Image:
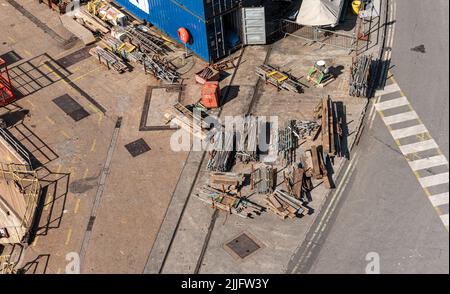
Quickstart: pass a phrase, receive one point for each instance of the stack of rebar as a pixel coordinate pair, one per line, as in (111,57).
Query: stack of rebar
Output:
(221,158)
(359,79)
(109,59)
(147,42)
(161,69)
(247,147)
(288,141)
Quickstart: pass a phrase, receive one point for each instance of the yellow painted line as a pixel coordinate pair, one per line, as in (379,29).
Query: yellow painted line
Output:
(12,39)
(93,108)
(50,120)
(77,206)
(35,241)
(59,169)
(28,53)
(85,74)
(69,236)
(65,134)
(85,173)
(100,118)
(58,271)
(31,103)
(94,143)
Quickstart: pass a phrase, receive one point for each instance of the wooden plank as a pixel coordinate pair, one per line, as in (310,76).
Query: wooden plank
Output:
(316,169)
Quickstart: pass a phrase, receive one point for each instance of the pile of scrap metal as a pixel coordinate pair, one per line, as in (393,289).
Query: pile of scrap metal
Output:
(106,12)
(162,69)
(308,129)
(226,64)
(281,80)
(247,149)
(288,141)
(207,74)
(109,59)
(90,21)
(359,80)
(227,197)
(185,119)
(221,158)
(147,42)
(284,205)
(263,179)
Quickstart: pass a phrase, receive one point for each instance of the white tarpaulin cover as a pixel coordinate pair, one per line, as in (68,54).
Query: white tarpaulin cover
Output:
(319,12)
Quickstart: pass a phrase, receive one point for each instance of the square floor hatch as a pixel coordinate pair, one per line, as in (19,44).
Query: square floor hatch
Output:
(242,246)
(137,147)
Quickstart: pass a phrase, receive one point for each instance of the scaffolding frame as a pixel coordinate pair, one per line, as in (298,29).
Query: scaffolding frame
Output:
(28,184)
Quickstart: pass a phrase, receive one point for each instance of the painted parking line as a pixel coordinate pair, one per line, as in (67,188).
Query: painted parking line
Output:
(401,117)
(394,103)
(439,199)
(428,162)
(409,131)
(423,142)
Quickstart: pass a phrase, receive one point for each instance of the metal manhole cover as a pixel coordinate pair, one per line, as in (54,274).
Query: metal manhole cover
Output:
(137,147)
(242,245)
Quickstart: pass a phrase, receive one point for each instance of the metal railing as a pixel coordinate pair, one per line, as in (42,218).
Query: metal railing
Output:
(17,147)
(319,35)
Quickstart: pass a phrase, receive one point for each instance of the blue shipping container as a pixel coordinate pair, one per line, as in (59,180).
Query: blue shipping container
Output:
(210,23)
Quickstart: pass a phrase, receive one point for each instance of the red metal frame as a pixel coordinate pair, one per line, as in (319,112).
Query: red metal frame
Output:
(6,92)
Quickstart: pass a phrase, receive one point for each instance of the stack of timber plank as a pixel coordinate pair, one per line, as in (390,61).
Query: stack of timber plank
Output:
(283,205)
(328,127)
(226,180)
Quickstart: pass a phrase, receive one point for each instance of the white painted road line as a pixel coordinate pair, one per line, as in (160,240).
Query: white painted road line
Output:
(428,162)
(444,219)
(409,131)
(439,199)
(388,89)
(434,180)
(398,118)
(397,102)
(418,147)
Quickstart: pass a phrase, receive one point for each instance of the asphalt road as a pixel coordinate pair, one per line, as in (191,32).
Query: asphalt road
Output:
(382,208)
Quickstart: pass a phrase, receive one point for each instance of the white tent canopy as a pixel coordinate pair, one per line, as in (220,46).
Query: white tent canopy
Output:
(319,12)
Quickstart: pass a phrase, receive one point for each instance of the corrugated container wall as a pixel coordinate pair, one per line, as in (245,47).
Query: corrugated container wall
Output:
(204,19)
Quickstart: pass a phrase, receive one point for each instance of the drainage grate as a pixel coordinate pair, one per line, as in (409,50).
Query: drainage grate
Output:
(137,147)
(71,107)
(242,246)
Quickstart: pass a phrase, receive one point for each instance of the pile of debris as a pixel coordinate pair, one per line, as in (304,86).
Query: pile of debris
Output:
(247,141)
(359,80)
(227,197)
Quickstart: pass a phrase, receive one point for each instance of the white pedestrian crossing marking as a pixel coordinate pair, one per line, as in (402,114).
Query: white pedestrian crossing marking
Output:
(418,162)
(428,162)
(397,102)
(409,131)
(398,118)
(418,147)
(444,219)
(388,89)
(439,199)
(434,180)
